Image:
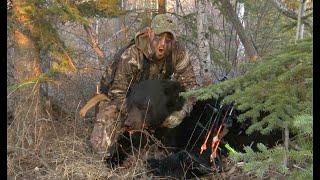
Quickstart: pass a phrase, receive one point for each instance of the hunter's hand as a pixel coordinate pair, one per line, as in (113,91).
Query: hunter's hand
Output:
(177,116)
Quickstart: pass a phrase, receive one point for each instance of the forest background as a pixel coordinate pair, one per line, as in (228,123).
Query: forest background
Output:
(57,51)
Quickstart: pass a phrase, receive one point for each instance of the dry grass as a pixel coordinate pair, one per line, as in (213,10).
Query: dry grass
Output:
(55,146)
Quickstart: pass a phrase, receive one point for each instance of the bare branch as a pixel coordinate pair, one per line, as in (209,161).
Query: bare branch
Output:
(227,9)
(69,59)
(94,44)
(290,13)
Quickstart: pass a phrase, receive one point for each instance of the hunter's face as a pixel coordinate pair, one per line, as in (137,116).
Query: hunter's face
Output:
(162,44)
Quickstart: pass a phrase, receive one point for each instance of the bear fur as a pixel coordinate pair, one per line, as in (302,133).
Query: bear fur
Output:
(150,102)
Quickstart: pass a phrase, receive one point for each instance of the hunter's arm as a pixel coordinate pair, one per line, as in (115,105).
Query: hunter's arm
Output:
(125,74)
(185,75)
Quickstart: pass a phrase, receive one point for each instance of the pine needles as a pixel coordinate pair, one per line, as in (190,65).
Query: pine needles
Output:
(274,93)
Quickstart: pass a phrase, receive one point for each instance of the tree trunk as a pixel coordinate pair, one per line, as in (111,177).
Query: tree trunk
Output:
(227,9)
(177,6)
(300,25)
(162,6)
(27,130)
(93,41)
(240,13)
(286,146)
(203,45)
(27,54)
(287,12)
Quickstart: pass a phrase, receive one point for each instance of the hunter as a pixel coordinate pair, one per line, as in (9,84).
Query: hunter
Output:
(154,53)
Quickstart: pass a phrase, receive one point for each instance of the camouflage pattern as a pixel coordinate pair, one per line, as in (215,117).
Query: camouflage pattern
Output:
(129,70)
(164,23)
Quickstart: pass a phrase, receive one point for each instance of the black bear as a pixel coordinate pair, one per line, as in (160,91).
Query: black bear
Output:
(147,104)
(150,102)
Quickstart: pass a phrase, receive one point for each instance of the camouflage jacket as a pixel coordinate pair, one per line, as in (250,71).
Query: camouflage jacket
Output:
(131,66)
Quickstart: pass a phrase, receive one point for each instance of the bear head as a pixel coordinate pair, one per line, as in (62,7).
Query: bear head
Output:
(150,102)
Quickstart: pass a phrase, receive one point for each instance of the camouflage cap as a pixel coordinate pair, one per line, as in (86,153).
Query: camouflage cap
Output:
(164,23)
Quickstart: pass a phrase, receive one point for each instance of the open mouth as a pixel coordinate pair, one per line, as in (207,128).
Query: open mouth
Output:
(161,52)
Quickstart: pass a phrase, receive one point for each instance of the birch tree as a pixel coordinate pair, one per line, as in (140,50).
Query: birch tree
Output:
(240,13)
(203,44)
(290,13)
(300,24)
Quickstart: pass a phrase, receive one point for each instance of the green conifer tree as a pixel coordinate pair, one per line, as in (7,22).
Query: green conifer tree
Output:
(274,93)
